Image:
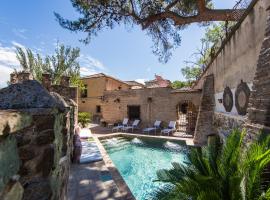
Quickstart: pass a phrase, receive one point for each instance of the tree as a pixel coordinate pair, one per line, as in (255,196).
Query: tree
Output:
(63,62)
(191,73)
(228,172)
(211,41)
(179,84)
(31,62)
(84,118)
(161,19)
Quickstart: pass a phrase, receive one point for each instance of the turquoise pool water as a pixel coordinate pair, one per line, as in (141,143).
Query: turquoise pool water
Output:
(138,160)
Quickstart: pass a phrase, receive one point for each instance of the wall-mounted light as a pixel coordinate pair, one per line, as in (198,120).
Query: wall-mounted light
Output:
(149,99)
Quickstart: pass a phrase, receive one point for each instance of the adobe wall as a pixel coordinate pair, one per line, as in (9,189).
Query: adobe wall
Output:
(36,133)
(162,106)
(236,61)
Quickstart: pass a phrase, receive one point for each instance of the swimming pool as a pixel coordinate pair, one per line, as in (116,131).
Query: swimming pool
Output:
(137,160)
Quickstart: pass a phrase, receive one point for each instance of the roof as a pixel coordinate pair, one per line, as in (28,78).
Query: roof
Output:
(158,82)
(134,83)
(103,75)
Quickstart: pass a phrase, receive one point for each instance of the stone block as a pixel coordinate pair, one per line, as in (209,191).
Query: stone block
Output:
(45,137)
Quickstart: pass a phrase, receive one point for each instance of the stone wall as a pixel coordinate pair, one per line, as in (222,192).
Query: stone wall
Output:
(36,132)
(259,103)
(224,124)
(155,104)
(240,80)
(237,58)
(204,126)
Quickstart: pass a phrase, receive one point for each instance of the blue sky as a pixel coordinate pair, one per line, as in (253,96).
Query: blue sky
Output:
(125,54)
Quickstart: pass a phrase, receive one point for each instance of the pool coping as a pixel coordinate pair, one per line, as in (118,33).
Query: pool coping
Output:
(118,179)
(188,141)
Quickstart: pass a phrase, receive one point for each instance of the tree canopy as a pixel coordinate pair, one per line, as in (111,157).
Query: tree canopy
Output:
(63,62)
(161,19)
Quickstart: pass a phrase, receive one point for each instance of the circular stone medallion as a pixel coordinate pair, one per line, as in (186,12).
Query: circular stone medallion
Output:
(242,94)
(228,99)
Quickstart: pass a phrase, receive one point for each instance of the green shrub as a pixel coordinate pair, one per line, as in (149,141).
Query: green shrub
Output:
(84,118)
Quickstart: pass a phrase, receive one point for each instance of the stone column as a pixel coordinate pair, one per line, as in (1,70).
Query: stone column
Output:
(65,80)
(24,76)
(46,81)
(259,102)
(13,78)
(204,125)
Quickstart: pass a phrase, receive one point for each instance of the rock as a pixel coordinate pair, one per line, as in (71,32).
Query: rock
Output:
(28,94)
(13,121)
(37,189)
(15,192)
(27,152)
(45,137)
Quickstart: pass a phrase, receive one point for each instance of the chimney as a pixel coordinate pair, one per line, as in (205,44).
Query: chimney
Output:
(65,81)
(13,78)
(46,81)
(24,76)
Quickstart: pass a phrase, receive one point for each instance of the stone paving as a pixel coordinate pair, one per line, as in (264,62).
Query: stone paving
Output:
(92,182)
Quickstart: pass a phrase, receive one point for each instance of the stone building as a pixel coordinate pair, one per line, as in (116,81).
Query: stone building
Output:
(158,82)
(150,104)
(90,98)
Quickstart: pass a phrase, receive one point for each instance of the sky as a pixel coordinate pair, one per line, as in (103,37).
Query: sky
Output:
(123,53)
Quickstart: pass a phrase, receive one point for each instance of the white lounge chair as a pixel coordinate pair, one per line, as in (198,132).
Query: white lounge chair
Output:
(134,125)
(120,126)
(154,128)
(170,129)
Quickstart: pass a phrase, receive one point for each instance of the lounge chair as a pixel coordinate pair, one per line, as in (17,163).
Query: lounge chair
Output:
(120,126)
(170,129)
(154,128)
(134,125)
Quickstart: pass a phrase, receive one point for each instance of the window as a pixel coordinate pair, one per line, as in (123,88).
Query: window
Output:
(84,92)
(134,112)
(98,109)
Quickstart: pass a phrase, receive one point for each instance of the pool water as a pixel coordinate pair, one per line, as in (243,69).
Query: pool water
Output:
(138,160)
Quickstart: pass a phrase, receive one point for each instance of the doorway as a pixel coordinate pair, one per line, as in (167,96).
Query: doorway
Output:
(134,112)
(186,117)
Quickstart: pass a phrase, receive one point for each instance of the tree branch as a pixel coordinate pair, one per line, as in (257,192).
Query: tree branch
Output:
(206,16)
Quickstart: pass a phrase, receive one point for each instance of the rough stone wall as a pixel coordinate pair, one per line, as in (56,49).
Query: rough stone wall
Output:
(204,126)
(35,142)
(66,91)
(259,103)
(224,124)
(155,104)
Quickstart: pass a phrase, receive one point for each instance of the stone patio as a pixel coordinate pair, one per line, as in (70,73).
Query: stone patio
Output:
(92,182)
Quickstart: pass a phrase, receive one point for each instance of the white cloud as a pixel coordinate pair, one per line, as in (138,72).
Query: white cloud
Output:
(8,56)
(141,80)
(4,75)
(90,65)
(14,43)
(8,62)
